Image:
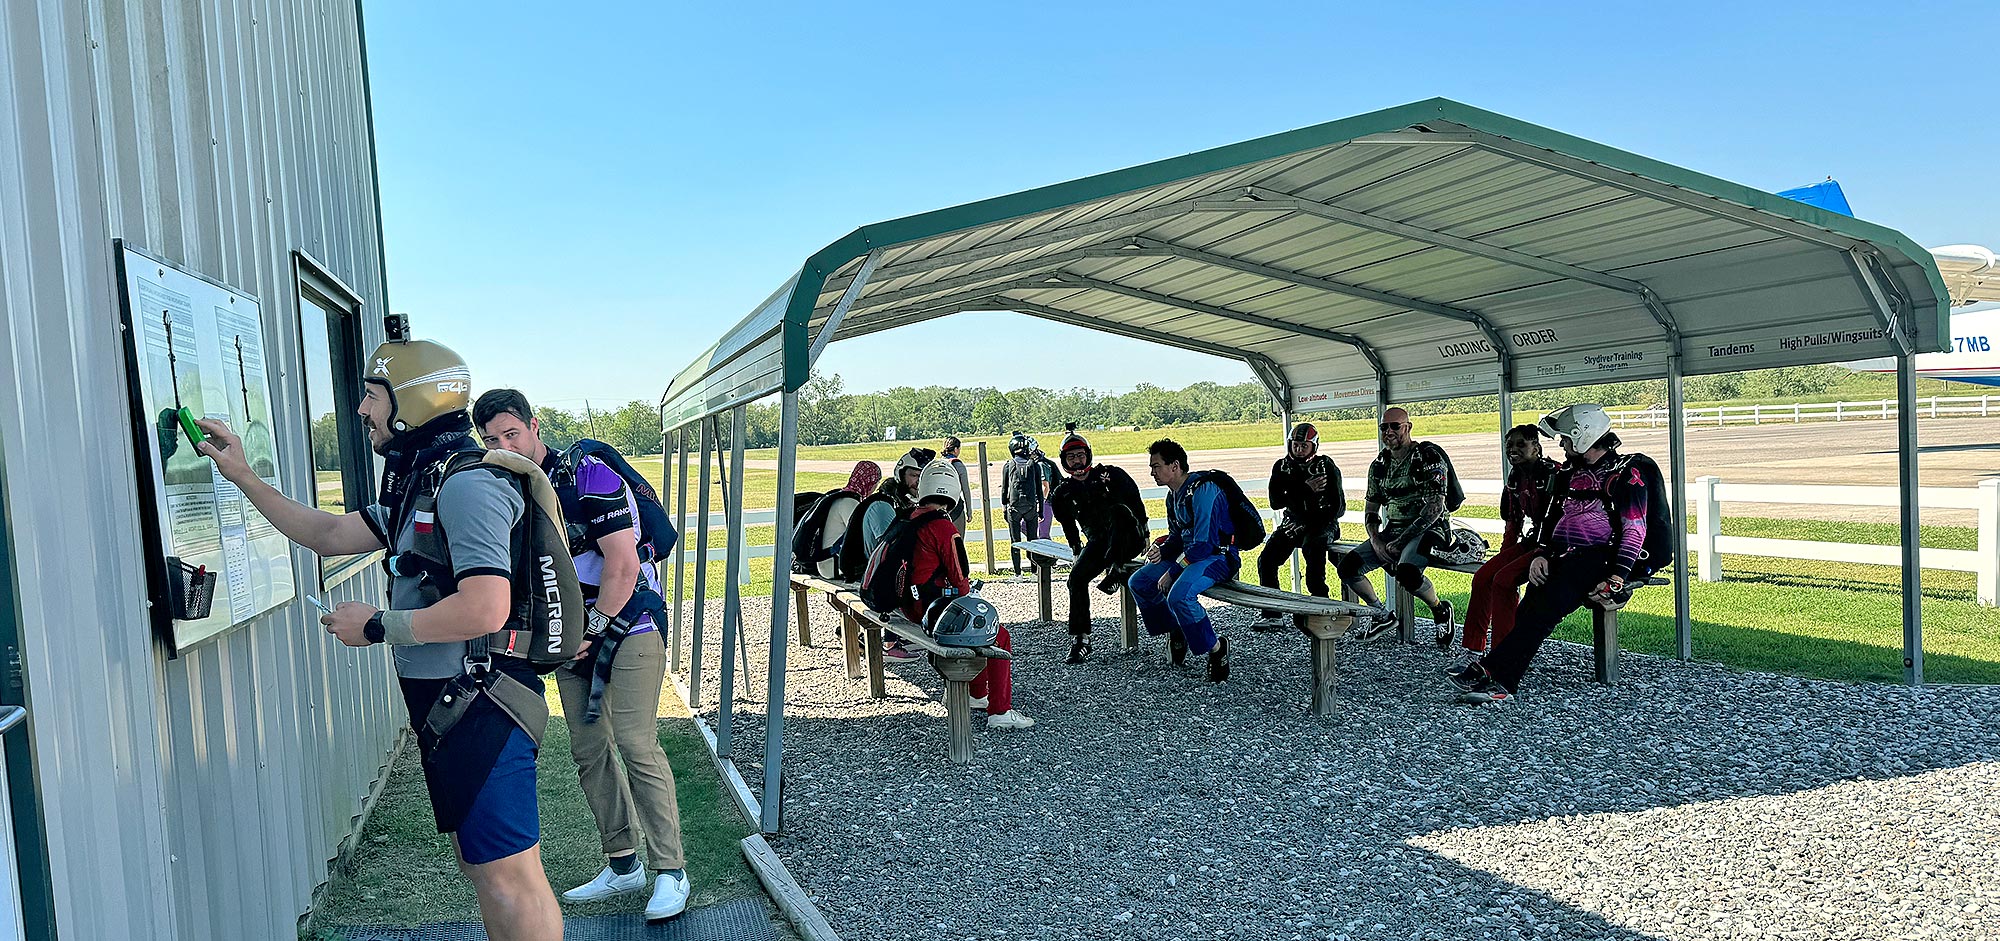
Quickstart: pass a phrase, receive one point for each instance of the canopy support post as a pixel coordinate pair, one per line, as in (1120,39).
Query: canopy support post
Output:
(680,468)
(1906,480)
(700,566)
(1889,308)
(1285,416)
(772,812)
(732,591)
(1677,495)
(1506,423)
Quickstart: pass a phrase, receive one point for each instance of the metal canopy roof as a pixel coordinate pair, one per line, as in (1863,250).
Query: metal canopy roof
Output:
(1428,251)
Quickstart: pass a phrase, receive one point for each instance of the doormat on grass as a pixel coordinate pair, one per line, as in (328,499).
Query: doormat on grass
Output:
(740,920)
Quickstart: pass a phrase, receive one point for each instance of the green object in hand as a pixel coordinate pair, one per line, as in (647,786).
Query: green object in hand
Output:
(187,425)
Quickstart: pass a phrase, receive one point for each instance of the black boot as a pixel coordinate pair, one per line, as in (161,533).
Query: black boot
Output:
(1079,648)
(1177,648)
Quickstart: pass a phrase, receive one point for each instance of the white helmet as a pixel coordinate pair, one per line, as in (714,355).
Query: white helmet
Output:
(938,480)
(1579,426)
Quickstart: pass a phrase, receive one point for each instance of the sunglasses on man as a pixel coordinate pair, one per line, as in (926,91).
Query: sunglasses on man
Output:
(1393,425)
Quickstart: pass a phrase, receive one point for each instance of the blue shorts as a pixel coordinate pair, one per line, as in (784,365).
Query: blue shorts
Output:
(481,776)
(505,818)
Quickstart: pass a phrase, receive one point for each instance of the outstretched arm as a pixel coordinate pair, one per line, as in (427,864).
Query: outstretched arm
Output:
(328,534)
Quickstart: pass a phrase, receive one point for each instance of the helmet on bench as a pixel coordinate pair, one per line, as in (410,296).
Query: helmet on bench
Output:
(964,621)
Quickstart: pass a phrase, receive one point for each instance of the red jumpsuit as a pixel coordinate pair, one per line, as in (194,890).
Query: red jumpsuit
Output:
(939,562)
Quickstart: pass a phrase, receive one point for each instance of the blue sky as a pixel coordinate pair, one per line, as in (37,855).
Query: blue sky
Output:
(581,202)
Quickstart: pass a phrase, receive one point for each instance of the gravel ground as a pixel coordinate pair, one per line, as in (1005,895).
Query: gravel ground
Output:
(1690,802)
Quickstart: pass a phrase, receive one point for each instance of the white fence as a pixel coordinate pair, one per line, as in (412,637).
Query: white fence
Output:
(1936,406)
(1707,545)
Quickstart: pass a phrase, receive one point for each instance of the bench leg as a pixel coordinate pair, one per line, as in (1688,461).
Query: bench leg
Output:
(1128,619)
(1406,612)
(878,688)
(850,631)
(1604,630)
(1322,631)
(799,598)
(1044,579)
(1323,676)
(958,674)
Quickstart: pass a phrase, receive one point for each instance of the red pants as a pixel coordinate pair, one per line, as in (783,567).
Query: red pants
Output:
(996,682)
(1496,594)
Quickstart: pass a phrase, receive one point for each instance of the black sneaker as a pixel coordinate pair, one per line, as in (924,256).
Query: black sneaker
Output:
(1079,648)
(1373,626)
(1471,675)
(1111,583)
(1484,690)
(1268,621)
(1446,630)
(1218,661)
(1177,648)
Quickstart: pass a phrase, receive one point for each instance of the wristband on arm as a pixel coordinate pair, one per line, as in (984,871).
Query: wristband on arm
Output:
(397,627)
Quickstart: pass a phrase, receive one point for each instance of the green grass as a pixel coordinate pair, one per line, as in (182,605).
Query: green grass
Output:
(404,872)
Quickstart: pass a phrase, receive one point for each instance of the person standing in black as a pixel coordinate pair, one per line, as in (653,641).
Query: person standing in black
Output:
(1305,484)
(1105,502)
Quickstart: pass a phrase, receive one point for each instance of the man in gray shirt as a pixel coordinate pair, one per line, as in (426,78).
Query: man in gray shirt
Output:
(481,771)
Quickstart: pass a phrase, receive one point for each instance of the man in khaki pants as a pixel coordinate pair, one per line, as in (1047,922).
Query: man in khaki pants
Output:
(602,516)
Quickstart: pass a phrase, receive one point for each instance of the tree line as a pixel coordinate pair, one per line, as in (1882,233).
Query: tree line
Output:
(830,415)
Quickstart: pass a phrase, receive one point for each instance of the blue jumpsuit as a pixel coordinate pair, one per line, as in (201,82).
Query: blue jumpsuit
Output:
(1199,552)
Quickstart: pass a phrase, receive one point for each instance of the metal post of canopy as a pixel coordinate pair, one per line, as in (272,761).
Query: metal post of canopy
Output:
(1906,479)
(732,593)
(772,816)
(700,543)
(1285,416)
(730,467)
(680,526)
(1677,494)
(1506,423)
(986,506)
(1389,588)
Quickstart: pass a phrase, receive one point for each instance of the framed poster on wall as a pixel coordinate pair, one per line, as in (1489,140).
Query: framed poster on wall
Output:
(213,561)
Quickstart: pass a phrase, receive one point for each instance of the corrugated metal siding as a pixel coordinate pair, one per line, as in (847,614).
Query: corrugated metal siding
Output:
(201,797)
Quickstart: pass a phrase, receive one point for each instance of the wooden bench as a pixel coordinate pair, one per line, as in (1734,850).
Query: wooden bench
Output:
(802,585)
(957,665)
(1603,617)
(1322,620)
(1044,554)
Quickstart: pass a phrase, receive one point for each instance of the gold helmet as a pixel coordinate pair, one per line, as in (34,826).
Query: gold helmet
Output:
(425,379)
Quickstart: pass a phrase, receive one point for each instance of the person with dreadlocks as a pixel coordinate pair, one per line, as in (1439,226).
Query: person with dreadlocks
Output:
(1104,501)
(480,769)
(1496,587)
(1305,484)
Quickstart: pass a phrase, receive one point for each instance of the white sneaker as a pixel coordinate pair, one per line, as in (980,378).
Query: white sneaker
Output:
(1011,719)
(979,702)
(670,896)
(608,884)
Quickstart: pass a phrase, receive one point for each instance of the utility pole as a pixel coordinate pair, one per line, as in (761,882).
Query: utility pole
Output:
(592,417)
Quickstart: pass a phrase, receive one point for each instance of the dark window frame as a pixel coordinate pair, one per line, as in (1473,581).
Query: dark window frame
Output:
(319,290)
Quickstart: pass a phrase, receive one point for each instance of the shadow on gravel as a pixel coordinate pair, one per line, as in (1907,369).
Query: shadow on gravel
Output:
(1150,804)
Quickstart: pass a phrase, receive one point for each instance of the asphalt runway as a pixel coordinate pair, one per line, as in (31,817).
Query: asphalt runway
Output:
(1954,452)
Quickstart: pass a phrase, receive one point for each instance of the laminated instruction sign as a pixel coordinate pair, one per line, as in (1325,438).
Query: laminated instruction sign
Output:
(214,561)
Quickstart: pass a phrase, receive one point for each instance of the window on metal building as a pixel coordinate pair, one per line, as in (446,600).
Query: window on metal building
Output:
(331,353)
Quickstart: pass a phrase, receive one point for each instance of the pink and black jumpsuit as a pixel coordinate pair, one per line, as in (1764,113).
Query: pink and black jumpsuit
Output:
(1587,539)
